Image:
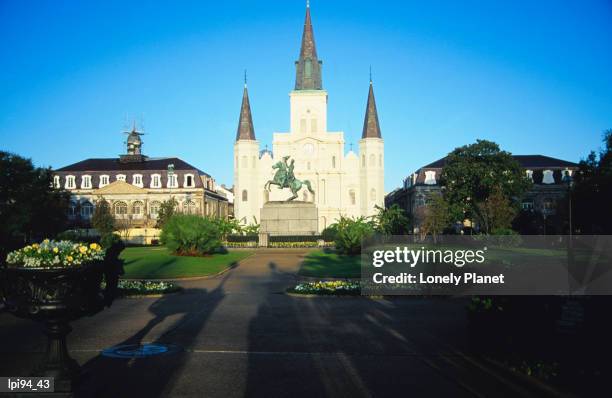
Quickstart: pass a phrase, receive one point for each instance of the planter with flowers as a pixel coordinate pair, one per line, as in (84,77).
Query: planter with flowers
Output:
(54,283)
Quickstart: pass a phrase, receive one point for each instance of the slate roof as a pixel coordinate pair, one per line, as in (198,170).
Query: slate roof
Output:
(526,162)
(308,78)
(113,164)
(245,131)
(371,127)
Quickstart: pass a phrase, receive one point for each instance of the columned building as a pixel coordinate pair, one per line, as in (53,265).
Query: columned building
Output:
(350,184)
(135,185)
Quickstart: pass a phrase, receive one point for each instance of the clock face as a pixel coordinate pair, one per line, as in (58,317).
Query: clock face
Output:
(308,149)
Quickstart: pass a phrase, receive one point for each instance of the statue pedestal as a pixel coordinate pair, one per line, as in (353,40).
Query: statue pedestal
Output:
(289,218)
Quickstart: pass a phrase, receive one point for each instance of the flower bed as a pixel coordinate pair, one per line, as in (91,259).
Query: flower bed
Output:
(55,254)
(292,244)
(146,287)
(337,288)
(240,244)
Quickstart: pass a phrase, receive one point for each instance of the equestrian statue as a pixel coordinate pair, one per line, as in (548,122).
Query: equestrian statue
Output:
(284,178)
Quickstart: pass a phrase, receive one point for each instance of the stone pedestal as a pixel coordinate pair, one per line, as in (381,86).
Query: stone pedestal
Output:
(289,218)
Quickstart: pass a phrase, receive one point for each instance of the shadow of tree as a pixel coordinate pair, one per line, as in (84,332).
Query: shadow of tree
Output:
(153,376)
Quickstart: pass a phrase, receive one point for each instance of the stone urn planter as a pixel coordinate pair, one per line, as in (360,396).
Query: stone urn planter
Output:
(54,297)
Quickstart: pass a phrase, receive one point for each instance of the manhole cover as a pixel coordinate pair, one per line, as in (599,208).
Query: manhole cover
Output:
(139,350)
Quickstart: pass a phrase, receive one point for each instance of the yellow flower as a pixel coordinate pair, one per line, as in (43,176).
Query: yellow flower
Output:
(94,246)
(55,250)
(46,241)
(82,249)
(69,258)
(35,245)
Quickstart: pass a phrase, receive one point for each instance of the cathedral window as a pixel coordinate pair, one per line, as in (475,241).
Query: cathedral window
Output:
(373,195)
(245,195)
(155,181)
(303,126)
(244,162)
(548,177)
(352,197)
(86,210)
(104,180)
(333,162)
(253,162)
(308,68)
(380,160)
(362,160)
(430,177)
(308,165)
(372,160)
(313,125)
(70,182)
(137,180)
(86,182)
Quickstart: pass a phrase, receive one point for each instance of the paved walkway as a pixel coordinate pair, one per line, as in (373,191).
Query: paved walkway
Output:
(243,337)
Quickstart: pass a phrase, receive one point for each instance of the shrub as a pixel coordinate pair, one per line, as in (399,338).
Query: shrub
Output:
(505,237)
(329,234)
(102,219)
(351,232)
(166,210)
(191,235)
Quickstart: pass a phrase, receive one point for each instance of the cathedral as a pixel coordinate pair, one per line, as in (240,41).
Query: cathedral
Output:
(349,184)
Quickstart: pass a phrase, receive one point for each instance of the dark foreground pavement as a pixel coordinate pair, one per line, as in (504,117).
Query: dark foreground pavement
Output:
(241,336)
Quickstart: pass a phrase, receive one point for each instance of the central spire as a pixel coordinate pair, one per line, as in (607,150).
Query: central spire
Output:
(308,67)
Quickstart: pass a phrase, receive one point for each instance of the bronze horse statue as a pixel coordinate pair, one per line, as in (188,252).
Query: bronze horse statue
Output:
(284,178)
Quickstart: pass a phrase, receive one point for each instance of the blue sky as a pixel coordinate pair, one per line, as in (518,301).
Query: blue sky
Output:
(536,77)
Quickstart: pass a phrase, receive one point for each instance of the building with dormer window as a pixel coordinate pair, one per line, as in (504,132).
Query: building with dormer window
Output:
(135,185)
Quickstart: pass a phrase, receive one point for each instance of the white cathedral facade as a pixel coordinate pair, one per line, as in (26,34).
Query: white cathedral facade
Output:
(349,184)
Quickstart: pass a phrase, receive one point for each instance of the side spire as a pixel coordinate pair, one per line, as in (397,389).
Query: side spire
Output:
(245,131)
(308,66)
(371,127)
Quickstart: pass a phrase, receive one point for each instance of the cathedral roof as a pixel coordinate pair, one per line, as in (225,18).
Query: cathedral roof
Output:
(245,131)
(308,67)
(371,127)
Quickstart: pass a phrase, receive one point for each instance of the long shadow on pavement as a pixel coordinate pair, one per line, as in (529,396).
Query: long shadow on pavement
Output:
(153,376)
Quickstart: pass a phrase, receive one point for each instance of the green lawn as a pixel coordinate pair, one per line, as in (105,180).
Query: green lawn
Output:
(157,262)
(327,264)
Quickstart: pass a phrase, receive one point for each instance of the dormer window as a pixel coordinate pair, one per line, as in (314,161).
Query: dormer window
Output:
(430,177)
(56,181)
(548,177)
(104,180)
(70,182)
(172,181)
(137,180)
(155,181)
(529,174)
(189,181)
(121,177)
(86,182)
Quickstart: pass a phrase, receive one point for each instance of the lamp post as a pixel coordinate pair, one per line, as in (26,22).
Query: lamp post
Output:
(567,179)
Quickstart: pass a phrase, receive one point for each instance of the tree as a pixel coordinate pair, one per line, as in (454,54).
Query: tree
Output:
(472,173)
(495,212)
(437,216)
(30,207)
(592,193)
(102,219)
(391,221)
(350,234)
(167,208)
